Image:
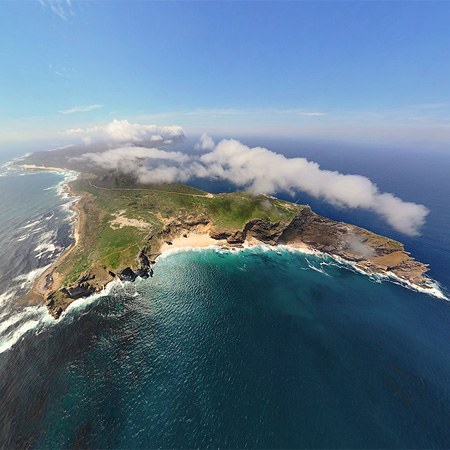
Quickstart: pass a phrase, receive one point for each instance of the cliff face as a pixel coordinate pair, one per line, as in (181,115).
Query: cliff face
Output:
(370,252)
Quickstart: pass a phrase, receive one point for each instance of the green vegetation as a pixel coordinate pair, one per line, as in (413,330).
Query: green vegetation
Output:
(105,243)
(236,209)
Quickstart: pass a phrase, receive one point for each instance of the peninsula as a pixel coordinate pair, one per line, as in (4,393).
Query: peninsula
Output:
(122,227)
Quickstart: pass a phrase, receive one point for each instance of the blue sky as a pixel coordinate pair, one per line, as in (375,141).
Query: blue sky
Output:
(339,70)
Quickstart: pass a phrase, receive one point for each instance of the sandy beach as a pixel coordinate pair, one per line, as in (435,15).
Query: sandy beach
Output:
(44,168)
(204,240)
(194,238)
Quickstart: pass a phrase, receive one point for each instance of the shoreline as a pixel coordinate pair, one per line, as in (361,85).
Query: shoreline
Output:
(33,167)
(37,292)
(195,240)
(302,249)
(434,289)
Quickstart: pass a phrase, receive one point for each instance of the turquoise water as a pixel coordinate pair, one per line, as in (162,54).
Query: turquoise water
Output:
(237,350)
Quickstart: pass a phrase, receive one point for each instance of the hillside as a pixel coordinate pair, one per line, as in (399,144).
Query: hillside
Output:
(122,227)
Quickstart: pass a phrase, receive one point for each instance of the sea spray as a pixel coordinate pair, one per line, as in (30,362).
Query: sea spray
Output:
(14,328)
(248,350)
(434,288)
(30,246)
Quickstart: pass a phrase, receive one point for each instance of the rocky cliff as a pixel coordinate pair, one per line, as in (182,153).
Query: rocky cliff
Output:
(370,252)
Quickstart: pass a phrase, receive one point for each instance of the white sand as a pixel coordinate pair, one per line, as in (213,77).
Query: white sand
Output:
(193,240)
(203,240)
(44,168)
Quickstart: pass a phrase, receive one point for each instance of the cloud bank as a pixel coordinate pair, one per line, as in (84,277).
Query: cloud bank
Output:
(135,160)
(261,170)
(205,143)
(258,170)
(123,131)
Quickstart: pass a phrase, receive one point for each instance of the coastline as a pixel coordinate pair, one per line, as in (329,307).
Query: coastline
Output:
(39,285)
(205,242)
(36,168)
(197,238)
(37,292)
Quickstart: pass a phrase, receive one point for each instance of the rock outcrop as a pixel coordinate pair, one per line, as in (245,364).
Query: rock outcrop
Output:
(264,231)
(89,284)
(238,237)
(220,233)
(370,252)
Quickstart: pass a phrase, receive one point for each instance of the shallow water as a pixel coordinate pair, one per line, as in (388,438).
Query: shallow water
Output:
(236,349)
(218,349)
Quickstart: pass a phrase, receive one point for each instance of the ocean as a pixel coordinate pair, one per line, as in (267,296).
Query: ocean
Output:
(231,349)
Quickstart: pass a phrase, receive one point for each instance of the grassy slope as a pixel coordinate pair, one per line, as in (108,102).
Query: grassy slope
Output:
(100,245)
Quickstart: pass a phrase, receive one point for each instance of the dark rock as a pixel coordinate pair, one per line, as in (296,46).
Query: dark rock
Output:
(169,242)
(144,270)
(142,273)
(143,260)
(323,234)
(263,230)
(80,290)
(48,281)
(238,237)
(50,303)
(111,273)
(86,277)
(220,233)
(298,225)
(192,222)
(127,274)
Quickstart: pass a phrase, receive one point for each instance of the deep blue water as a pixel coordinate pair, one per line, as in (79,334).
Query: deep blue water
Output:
(248,349)
(413,175)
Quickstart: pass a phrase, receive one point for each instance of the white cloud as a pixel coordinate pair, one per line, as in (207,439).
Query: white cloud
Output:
(74,131)
(311,114)
(61,70)
(132,133)
(78,109)
(205,143)
(203,114)
(131,159)
(61,8)
(359,247)
(263,171)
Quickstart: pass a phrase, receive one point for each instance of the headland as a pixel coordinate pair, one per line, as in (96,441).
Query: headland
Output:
(122,227)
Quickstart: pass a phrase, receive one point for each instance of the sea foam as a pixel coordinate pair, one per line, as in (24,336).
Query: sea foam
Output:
(434,289)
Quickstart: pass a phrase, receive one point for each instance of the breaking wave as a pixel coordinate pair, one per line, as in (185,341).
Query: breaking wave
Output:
(319,265)
(31,246)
